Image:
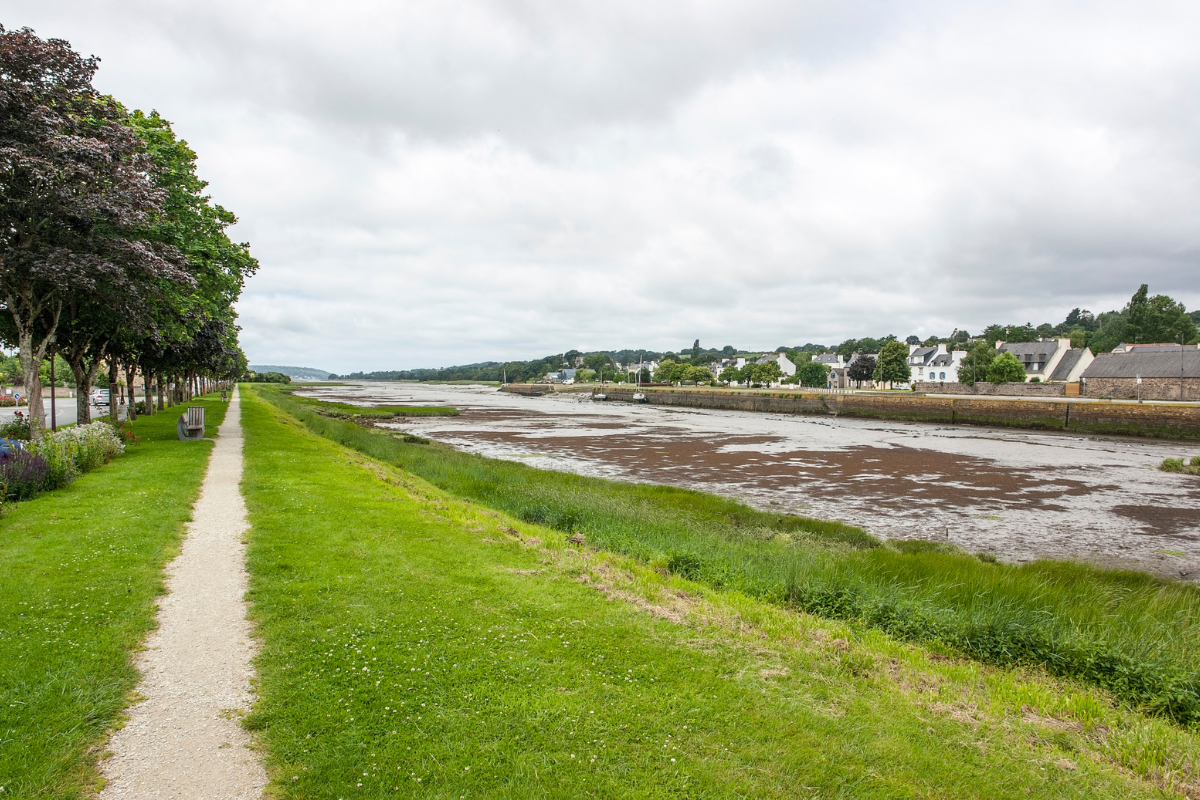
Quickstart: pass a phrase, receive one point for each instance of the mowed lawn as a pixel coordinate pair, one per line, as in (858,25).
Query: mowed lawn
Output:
(80,569)
(415,644)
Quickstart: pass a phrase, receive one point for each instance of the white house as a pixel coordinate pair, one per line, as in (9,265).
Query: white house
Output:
(786,367)
(1050,359)
(934,364)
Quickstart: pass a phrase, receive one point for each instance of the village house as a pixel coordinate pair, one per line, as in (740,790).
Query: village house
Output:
(786,367)
(934,364)
(1146,372)
(1049,359)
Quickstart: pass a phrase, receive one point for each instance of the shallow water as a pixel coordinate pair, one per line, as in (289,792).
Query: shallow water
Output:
(1019,495)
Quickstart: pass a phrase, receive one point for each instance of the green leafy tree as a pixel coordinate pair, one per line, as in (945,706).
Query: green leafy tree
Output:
(730,374)
(1005,368)
(770,372)
(667,371)
(976,363)
(585,375)
(1157,319)
(812,373)
(892,366)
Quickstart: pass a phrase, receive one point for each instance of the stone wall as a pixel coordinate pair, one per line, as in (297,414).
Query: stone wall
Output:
(984,389)
(1129,419)
(1152,388)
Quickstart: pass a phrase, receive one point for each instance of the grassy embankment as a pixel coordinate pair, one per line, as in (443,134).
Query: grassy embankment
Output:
(349,411)
(80,569)
(419,643)
(1132,634)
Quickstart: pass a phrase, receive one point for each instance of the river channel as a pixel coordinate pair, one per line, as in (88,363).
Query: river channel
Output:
(1019,495)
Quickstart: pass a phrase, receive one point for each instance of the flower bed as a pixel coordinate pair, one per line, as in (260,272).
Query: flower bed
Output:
(56,459)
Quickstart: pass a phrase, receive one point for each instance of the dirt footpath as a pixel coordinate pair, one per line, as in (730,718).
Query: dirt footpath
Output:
(184,739)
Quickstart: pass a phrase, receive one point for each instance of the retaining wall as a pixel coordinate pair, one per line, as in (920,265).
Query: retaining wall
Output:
(1152,388)
(1126,419)
(981,388)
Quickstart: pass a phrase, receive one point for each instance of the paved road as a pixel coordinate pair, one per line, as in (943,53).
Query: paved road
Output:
(65,411)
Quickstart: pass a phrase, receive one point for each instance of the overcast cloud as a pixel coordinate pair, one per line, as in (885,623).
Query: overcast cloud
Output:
(442,182)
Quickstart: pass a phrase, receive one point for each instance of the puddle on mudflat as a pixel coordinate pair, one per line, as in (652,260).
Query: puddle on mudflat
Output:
(1020,495)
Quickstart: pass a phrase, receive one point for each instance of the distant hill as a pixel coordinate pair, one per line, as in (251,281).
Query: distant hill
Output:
(295,373)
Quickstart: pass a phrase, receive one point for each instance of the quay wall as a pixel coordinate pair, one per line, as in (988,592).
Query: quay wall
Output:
(1087,417)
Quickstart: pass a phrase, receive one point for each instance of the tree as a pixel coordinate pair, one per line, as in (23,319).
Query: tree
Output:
(913,340)
(585,375)
(975,364)
(892,366)
(730,374)
(813,373)
(695,351)
(769,372)
(1005,368)
(667,371)
(862,368)
(74,193)
(1157,319)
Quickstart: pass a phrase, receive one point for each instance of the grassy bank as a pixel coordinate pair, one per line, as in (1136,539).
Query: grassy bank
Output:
(80,569)
(334,409)
(417,644)
(1132,634)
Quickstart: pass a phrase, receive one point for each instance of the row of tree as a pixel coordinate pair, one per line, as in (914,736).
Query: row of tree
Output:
(111,254)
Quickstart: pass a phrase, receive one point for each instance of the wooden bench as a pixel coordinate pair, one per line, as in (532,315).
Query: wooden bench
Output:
(191,424)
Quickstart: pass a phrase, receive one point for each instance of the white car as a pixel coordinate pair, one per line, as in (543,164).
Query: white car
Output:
(100,398)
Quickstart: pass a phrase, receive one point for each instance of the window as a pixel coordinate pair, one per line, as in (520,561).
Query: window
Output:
(942,376)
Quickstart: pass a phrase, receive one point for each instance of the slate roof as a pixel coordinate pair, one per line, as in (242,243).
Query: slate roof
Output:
(1148,365)
(1032,353)
(944,360)
(1157,347)
(1069,360)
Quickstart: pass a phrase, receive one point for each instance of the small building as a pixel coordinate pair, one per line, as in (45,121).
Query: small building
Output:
(934,364)
(1042,358)
(786,367)
(1161,374)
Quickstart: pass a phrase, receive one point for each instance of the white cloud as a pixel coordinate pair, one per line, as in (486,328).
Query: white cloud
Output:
(445,182)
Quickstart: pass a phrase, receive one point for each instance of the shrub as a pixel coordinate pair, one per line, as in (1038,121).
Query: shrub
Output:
(22,474)
(85,447)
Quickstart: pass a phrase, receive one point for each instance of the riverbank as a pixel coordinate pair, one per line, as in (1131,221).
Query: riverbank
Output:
(80,572)
(416,639)
(1180,421)
(1056,614)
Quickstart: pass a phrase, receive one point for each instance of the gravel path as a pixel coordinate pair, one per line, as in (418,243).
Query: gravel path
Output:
(184,739)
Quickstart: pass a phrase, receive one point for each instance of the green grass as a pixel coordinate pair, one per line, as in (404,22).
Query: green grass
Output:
(80,569)
(347,410)
(416,644)
(1130,633)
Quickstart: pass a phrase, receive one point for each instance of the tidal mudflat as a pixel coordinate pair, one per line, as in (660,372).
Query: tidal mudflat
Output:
(1020,495)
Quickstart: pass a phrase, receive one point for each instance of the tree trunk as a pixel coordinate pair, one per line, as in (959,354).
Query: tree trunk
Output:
(130,375)
(31,364)
(113,376)
(146,388)
(162,392)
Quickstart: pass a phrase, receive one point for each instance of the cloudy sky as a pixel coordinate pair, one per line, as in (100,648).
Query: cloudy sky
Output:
(446,181)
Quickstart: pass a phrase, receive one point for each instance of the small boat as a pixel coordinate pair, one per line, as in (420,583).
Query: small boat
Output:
(639,397)
(600,396)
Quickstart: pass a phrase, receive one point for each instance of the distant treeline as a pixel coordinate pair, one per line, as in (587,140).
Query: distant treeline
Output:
(1144,318)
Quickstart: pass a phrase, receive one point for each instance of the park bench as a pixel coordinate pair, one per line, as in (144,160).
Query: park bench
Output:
(191,424)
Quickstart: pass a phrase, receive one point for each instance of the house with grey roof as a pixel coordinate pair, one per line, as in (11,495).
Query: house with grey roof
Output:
(1042,359)
(934,364)
(786,367)
(1144,374)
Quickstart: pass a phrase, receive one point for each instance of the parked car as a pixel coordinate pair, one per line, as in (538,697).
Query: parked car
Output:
(100,398)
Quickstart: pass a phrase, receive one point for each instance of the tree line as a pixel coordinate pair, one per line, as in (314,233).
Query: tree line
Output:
(112,256)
